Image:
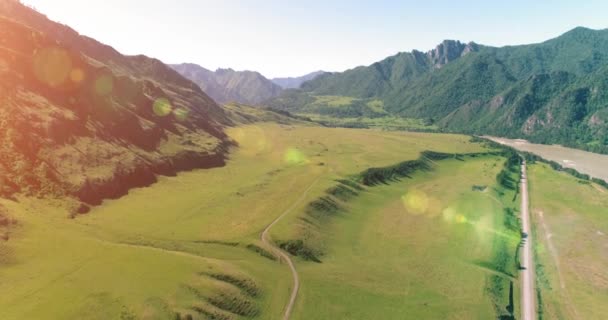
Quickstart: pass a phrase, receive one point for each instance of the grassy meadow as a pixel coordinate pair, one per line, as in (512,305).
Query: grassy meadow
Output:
(382,123)
(189,244)
(571,231)
(421,248)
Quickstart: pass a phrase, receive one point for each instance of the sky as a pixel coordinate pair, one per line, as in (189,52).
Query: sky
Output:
(291,38)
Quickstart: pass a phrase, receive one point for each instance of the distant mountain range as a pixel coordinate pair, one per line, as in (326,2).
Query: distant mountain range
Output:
(247,87)
(227,85)
(296,82)
(79,118)
(550,92)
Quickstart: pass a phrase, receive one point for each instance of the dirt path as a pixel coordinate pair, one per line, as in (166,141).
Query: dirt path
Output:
(285,256)
(598,188)
(551,247)
(528,303)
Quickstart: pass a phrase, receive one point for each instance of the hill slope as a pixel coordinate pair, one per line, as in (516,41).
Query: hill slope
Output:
(551,92)
(79,118)
(227,85)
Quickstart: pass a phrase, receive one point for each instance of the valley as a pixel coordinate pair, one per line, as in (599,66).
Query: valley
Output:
(436,242)
(186,232)
(134,189)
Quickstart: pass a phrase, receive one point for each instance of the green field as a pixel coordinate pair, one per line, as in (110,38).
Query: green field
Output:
(183,245)
(386,123)
(131,189)
(569,218)
(420,248)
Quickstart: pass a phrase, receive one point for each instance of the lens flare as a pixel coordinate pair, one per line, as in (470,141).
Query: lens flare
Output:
(104,85)
(452,215)
(238,134)
(181,114)
(162,107)
(77,75)
(449,214)
(483,226)
(416,202)
(460,218)
(52,66)
(253,141)
(294,156)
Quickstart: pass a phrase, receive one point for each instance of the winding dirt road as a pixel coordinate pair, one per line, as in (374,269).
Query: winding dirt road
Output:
(528,303)
(285,256)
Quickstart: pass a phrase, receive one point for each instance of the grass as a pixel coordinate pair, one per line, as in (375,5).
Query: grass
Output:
(571,234)
(420,248)
(387,123)
(334,101)
(376,105)
(183,243)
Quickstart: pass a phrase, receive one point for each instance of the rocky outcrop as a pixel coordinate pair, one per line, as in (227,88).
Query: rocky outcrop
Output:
(448,51)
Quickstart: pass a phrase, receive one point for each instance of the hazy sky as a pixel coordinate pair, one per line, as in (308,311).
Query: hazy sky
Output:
(291,38)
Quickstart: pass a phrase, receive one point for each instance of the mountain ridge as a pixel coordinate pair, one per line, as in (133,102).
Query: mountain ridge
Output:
(227,85)
(296,82)
(457,79)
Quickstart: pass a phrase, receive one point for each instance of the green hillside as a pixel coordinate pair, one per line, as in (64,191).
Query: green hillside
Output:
(550,92)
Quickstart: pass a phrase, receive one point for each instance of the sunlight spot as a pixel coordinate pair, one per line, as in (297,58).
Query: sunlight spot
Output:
(416,202)
(238,134)
(460,218)
(262,144)
(52,66)
(104,85)
(253,141)
(77,75)
(449,214)
(162,107)
(484,227)
(181,114)
(294,156)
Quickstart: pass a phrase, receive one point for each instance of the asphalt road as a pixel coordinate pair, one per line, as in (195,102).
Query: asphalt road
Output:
(528,303)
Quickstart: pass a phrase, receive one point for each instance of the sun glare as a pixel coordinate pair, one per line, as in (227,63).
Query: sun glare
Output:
(52,66)
(162,107)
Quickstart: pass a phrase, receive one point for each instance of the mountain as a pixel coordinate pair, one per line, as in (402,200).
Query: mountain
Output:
(390,74)
(78,118)
(227,85)
(550,92)
(296,82)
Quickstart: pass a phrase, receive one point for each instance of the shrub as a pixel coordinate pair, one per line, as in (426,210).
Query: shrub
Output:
(298,248)
(261,251)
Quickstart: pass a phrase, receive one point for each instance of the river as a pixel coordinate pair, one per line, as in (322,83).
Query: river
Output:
(593,164)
